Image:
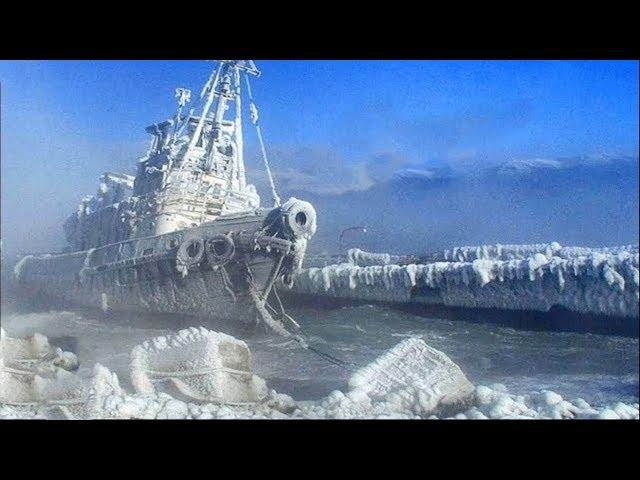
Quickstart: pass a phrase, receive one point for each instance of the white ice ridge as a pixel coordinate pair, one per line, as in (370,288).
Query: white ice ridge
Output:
(412,380)
(358,257)
(199,364)
(599,281)
(520,252)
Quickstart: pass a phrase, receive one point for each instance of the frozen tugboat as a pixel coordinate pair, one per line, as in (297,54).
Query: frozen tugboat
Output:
(187,234)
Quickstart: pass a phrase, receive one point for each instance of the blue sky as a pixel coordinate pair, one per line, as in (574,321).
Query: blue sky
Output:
(65,122)
(530,107)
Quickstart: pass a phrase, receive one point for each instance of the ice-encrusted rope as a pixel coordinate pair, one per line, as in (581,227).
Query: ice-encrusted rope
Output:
(254,120)
(203,371)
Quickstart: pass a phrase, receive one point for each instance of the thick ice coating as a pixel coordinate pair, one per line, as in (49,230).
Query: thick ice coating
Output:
(199,364)
(358,257)
(525,277)
(520,252)
(33,371)
(34,352)
(422,379)
(496,402)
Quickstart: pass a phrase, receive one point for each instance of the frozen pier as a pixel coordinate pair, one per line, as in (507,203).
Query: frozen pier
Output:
(600,281)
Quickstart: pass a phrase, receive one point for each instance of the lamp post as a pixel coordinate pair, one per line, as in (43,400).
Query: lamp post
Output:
(363,229)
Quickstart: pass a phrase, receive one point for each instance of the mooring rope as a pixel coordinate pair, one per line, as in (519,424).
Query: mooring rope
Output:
(254,119)
(281,330)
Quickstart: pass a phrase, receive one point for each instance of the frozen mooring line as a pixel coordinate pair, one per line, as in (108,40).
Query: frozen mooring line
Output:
(601,281)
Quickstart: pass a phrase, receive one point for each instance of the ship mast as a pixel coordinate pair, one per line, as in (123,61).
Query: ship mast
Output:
(222,87)
(195,171)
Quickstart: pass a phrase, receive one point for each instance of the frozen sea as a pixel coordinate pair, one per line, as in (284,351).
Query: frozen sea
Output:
(602,369)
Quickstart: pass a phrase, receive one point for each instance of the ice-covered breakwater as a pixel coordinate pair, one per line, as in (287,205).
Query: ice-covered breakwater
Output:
(361,258)
(601,281)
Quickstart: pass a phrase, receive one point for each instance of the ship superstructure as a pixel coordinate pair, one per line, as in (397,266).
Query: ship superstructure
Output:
(194,169)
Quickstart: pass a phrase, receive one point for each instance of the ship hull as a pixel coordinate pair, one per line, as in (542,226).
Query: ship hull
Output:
(201,293)
(143,275)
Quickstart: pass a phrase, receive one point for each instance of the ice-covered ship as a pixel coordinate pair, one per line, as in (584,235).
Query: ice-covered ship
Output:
(186,234)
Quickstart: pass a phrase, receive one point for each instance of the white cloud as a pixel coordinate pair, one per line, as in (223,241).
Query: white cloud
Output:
(323,171)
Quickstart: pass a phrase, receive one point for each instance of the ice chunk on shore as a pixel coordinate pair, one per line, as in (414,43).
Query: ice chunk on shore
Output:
(32,371)
(34,353)
(199,364)
(411,380)
(35,381)
(496,402)
(416,377)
